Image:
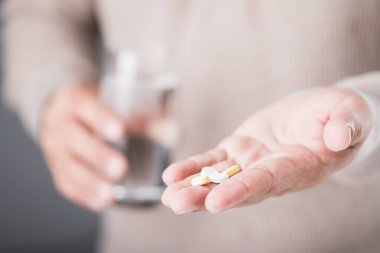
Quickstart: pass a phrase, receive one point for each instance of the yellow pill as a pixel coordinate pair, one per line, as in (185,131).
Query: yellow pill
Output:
(200,180)
(233,170)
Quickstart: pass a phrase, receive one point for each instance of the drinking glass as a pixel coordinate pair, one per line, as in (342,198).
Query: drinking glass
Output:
(140,88)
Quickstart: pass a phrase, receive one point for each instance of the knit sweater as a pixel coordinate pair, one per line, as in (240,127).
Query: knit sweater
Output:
(233,57)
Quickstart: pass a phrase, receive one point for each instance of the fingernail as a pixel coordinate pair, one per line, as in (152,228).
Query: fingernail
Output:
(351,128)
(96,204)
(182,212)
(104,192)
(114,167)
(214,208)
(113,130)
(119,192)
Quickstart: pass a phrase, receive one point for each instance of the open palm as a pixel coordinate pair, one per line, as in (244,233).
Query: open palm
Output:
(288,146)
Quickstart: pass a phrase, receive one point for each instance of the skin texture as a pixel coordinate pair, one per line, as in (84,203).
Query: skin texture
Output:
(288,146)
(74,125)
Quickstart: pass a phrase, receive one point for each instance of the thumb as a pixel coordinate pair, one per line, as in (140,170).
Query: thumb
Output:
(349,124)
(340,133)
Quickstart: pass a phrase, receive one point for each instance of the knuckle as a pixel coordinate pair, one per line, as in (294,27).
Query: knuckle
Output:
(74,96)
(274,187)
(90,149)
(236,145)
(65,97)
(97,159)
(54,112)
(76,141)
(225,142)
(217,154)
(60,184)
(54,160)
(49,143)
(236,140)
(71,191)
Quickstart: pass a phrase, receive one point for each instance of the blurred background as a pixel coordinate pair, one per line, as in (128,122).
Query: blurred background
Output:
(33,217)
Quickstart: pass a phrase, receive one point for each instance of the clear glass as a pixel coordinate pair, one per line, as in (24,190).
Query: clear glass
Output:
(141,90)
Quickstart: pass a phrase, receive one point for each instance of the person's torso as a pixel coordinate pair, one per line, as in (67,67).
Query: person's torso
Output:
(234,57)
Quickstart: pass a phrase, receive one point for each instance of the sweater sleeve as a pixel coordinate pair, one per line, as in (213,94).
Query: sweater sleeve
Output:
(47,44)
(366,165)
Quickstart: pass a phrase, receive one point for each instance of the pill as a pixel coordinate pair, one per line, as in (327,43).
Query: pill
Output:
(211,175)
(200,180)
(233,170)
(214,175)
(206,171)
(218,178)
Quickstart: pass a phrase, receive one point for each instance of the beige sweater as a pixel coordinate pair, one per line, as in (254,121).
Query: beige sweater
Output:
(233,56)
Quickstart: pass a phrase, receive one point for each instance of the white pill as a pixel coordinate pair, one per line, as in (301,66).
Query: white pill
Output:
(211,175)
(218,178)
(214,175)
(206,171)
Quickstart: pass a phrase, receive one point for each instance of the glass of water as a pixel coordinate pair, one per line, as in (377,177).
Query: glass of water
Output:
(141,90)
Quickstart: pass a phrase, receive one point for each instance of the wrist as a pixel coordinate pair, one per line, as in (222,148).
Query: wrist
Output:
(362,166)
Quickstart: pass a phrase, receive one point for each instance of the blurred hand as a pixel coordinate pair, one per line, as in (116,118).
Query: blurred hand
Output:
(84,168)
(288,146)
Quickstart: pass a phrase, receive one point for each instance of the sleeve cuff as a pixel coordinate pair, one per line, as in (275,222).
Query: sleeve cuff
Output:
(366,164)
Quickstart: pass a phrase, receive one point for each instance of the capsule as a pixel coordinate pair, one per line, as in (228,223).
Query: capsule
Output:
(231,171)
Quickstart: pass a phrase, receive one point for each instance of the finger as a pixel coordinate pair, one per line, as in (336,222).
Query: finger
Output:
(97,116)
(105,160)
(190,199)
(182,197)
(243,149)
(183,169)
(173,189)
(82,186)
(349,123)
(338,133)
(251,183)
(290,171)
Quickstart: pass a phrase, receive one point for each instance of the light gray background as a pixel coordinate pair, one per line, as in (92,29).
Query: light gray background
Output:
(33,217)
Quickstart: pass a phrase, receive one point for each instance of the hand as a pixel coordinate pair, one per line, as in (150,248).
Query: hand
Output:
(288,146)
(84,168)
